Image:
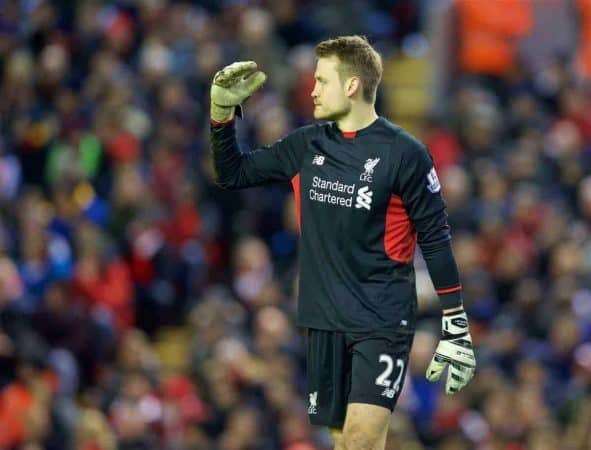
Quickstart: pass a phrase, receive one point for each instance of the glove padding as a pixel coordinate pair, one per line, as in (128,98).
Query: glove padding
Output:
(454,349)
(231,86)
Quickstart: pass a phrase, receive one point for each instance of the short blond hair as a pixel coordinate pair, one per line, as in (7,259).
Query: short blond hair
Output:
(356,57)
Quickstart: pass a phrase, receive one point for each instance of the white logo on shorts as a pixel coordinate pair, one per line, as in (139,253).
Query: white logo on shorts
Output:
(388,392)
(313,396)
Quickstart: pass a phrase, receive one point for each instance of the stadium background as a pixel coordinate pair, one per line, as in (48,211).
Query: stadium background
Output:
(143,308)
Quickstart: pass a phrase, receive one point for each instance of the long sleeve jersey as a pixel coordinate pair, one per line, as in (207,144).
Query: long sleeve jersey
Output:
(363,199)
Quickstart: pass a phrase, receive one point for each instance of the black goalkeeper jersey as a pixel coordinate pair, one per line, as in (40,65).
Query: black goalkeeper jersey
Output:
(363,200)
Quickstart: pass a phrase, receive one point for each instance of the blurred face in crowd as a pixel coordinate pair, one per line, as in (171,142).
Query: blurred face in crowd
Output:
(331,95)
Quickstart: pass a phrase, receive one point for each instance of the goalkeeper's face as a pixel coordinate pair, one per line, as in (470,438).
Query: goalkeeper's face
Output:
(331,100)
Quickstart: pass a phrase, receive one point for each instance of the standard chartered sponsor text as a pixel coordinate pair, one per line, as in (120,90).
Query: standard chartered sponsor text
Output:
(329,197)
(336,186)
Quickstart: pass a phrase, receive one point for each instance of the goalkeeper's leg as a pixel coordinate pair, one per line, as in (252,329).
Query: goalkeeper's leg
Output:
(337,438)
(366,427)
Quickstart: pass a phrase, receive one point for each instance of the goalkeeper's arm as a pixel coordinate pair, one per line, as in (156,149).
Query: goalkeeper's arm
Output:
(455,347)
(236,169)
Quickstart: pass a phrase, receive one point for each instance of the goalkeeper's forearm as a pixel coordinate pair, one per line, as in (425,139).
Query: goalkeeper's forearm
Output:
(226,155)
(443,271)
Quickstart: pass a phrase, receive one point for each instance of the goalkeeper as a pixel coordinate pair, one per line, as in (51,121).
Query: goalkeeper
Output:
(366,192)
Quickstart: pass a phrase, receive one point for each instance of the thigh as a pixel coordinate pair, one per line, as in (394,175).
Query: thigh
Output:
(379,364)
(366,426)
(329,377)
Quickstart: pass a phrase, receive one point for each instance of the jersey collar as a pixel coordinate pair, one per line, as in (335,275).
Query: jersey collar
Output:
(357,133)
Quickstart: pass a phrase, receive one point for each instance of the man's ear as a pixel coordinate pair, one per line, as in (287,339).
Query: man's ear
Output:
(352,85)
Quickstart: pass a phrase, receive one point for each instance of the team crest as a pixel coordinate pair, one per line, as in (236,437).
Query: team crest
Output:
(369,167)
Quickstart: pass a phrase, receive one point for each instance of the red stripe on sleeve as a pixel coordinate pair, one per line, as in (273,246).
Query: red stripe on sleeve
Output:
(449,290)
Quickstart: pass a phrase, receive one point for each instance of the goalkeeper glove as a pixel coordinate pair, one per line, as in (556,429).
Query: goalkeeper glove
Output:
(454,349)
(231,86)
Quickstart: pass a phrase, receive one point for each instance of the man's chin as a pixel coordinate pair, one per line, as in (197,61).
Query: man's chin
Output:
(319,115)
(332,115)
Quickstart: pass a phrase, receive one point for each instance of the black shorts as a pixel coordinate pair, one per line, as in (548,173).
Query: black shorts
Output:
(353,368)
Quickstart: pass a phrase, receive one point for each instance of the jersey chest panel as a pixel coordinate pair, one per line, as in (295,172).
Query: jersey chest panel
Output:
(344,187)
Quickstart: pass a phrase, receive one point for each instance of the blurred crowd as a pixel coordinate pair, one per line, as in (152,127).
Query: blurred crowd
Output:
(112,229)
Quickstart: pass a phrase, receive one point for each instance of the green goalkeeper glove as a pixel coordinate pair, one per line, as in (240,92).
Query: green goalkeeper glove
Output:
(231,86)
(454,349)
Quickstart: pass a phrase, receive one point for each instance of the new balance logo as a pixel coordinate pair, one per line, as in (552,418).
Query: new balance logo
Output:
(318,160)
(313,407)
(389,392)
(363,199)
